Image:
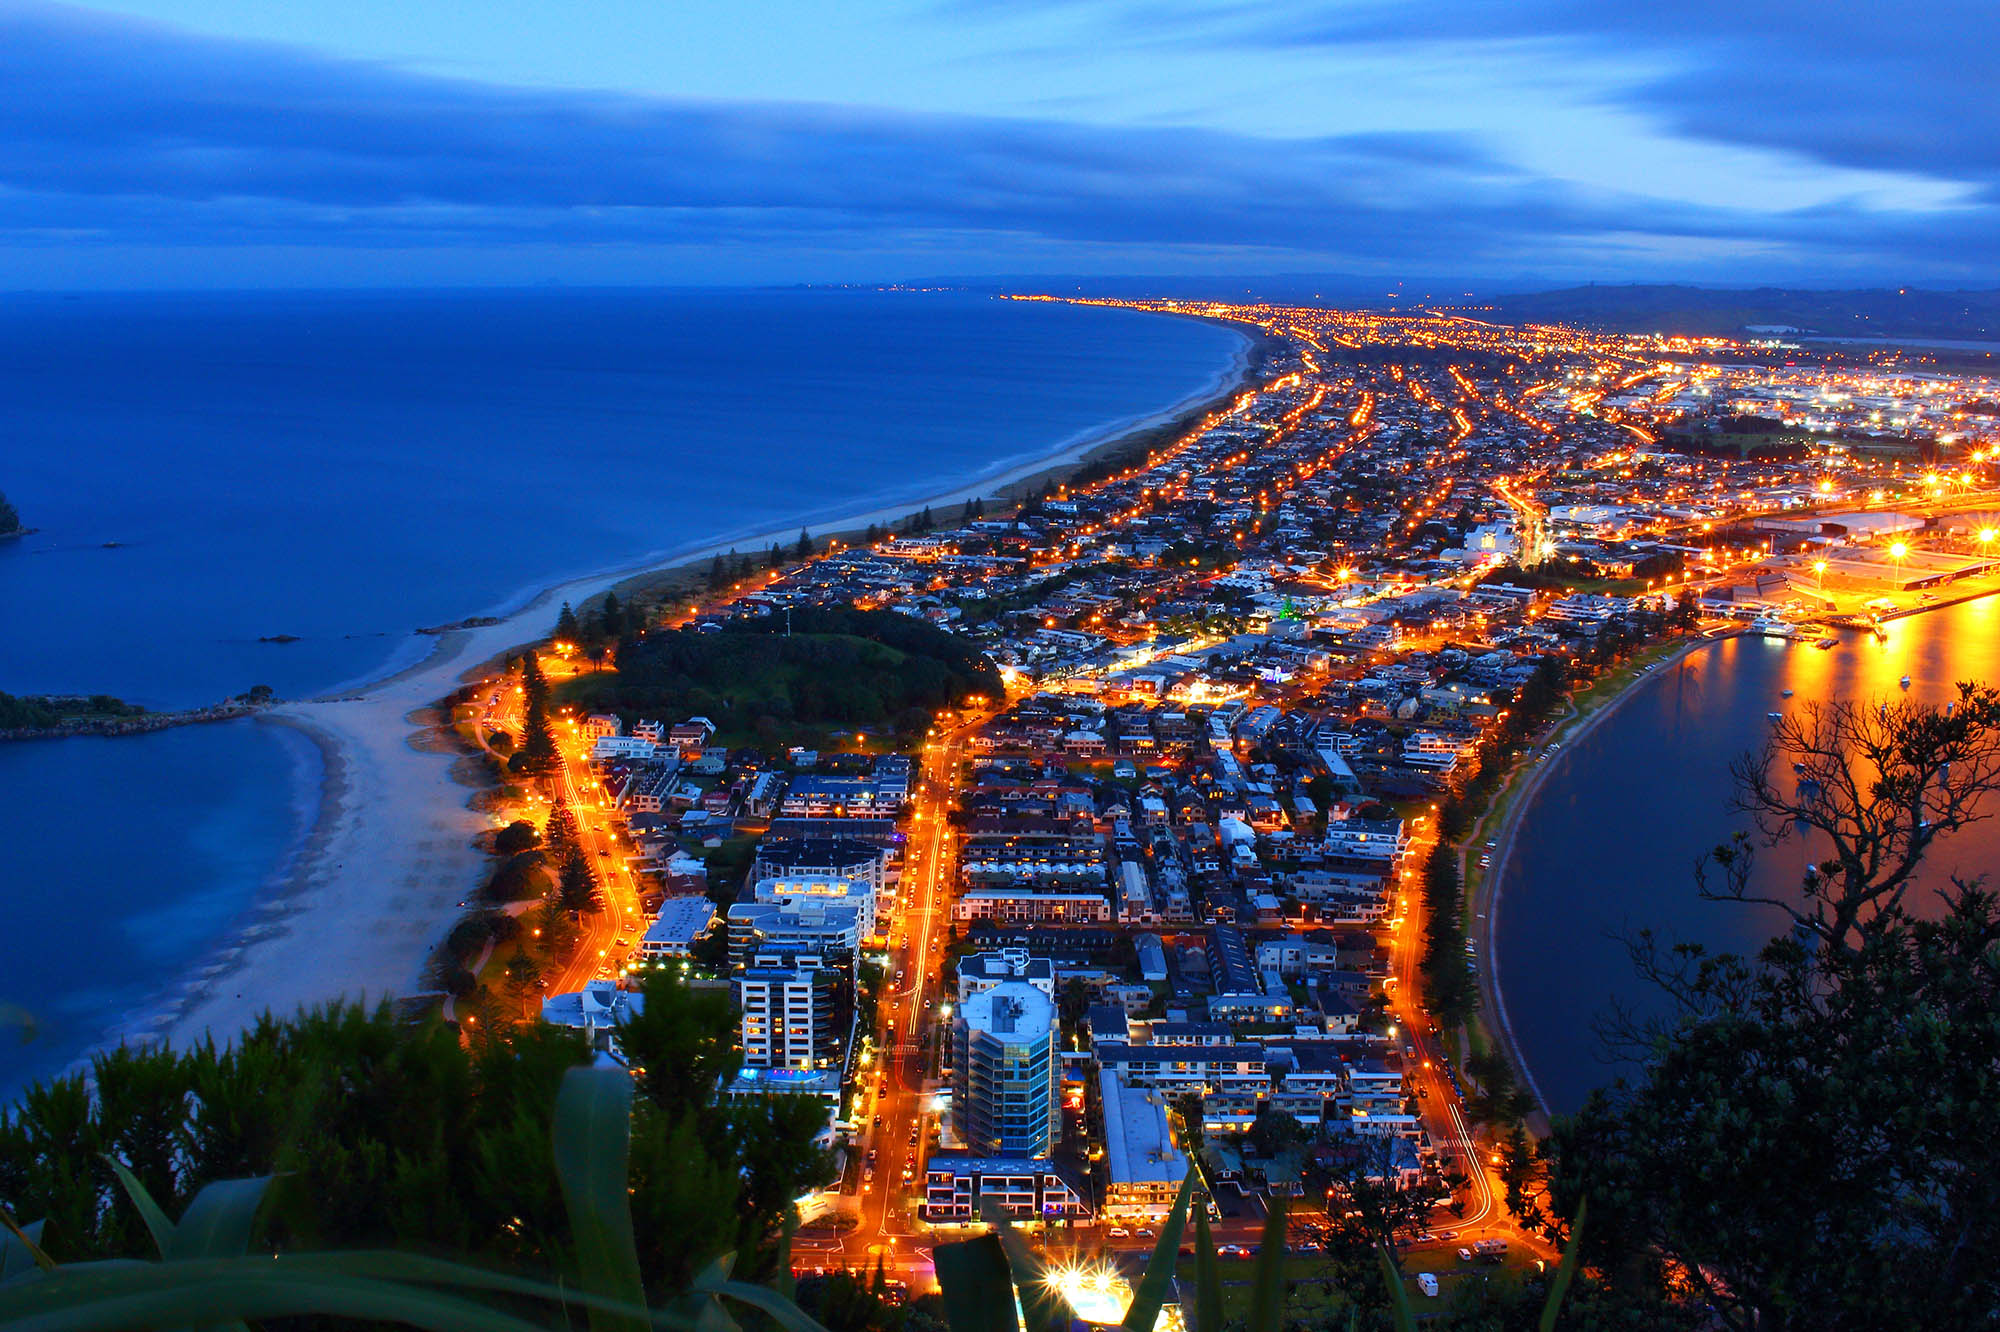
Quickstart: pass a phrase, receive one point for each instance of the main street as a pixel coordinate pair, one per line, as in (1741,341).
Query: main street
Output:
(891,1098)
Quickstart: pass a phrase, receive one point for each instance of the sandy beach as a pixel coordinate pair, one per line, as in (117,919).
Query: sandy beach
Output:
(391,857)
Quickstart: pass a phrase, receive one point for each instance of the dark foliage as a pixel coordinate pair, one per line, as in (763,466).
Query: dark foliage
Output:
(837,666)
(388,1135)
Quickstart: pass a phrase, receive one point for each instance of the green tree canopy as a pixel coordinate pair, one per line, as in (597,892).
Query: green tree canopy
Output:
(388,1134)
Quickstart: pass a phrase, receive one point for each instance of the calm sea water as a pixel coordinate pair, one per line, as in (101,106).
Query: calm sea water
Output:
(1610,844)
(206,471)
(123,861)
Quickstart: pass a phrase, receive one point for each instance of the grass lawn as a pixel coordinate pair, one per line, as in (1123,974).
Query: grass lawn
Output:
(1308,1278)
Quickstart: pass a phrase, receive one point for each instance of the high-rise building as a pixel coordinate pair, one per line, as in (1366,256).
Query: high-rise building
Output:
(979,972)
(830,889)
(1005,1072)
(788,1016)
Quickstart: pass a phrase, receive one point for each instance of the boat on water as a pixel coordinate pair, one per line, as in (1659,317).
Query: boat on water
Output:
(1905,682)
(1784,693)
(1828,642)
(1774,716)
(1770,626)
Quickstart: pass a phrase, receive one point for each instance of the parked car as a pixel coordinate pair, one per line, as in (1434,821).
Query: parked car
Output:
(1465,1255)
(1119,1232)
(1427,1282)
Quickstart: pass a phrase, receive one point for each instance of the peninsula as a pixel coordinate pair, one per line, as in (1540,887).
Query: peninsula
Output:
(1263,678)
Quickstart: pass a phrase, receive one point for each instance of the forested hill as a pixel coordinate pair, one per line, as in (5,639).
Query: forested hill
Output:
(10,518)
(837,668)
(1894,312)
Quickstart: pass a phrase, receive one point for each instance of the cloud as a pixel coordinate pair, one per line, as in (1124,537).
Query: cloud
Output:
(1854,84)
(114,132)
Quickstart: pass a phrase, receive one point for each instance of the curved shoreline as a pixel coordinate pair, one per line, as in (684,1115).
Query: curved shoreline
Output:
(1074,450)
(386,865)
(1485,904)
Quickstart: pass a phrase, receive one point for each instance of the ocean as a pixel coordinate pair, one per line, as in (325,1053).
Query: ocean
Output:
(210,472)
(1609,846)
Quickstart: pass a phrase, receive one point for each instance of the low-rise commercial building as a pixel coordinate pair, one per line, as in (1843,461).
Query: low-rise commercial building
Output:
(1144,1167)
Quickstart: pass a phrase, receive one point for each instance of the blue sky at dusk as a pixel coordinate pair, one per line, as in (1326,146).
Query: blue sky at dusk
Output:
(246,143)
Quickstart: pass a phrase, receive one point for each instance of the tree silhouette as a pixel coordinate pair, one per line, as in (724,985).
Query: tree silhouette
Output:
(1868,1034)
(524,978)
(576,886)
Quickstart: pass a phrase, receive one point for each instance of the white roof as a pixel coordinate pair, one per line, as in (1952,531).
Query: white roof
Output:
(681,920)
(1138,1142)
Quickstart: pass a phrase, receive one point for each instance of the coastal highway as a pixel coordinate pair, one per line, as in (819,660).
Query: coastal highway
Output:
(1438,1102)
(599,949)
(623,917)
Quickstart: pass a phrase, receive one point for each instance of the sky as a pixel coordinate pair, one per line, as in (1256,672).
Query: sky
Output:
(231,143)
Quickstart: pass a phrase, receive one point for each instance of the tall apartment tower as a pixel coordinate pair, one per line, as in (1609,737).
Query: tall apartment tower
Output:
(788,1013)
(1006,1072)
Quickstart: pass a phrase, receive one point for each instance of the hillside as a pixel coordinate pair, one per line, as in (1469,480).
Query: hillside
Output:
(1886,313)
(838,668)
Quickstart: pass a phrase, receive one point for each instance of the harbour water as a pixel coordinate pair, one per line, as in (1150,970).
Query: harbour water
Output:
(210,472)
(1610,844)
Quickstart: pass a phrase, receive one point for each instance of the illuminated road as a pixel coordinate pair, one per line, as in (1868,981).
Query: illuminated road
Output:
(1438,1103)
(623,916)
(1530,540)
(907,1022)
(598,951)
